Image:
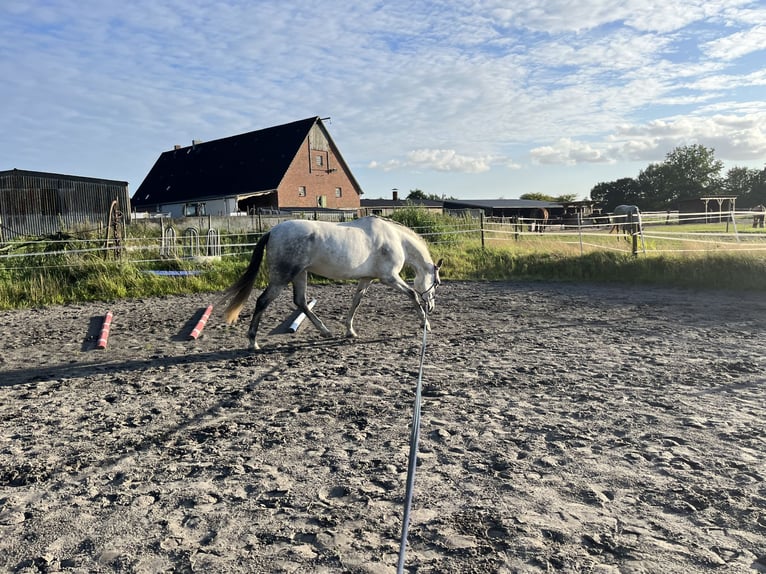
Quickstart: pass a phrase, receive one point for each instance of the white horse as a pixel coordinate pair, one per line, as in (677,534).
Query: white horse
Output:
(625,217)
(365,249)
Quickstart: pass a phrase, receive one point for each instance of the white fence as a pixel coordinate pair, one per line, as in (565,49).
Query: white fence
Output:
(662,232)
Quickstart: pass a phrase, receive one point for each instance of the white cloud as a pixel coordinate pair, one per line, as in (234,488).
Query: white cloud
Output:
(738,44)
(438,88)
(446,160)
(568,152)
(556,16)
(732,137)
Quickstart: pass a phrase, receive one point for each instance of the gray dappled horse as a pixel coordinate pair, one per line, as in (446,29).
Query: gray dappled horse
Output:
(625,218)
(365,249)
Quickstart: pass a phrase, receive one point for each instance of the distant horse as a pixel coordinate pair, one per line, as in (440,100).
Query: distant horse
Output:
(625,218)
(539,219)
(366,249)
(759,216)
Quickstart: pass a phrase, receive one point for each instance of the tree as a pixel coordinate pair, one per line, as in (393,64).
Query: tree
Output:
(687,172)
(692,171)
(625,191)
(419,194)
(534,196)
(749,185)
(757,194)
(656,188)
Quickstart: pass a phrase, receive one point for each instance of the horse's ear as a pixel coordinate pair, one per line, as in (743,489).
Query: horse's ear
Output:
(439,264)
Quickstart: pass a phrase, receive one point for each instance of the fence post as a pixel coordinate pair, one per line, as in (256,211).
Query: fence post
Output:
(734,223)
(579,230)
(481,225)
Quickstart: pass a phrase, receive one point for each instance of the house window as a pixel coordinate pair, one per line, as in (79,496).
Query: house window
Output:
(194,209)
(338,192)
(301,191)
(320,160)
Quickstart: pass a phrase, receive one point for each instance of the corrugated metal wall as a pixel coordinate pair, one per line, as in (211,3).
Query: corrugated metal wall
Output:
(38,204)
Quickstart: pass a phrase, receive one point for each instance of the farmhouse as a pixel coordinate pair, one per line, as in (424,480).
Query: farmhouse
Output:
(35,204)
(286,167)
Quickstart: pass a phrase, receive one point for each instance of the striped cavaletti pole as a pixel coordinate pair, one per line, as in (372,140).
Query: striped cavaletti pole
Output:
(201,323)
(105,327)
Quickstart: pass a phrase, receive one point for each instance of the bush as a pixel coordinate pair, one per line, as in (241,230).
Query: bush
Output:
(432,227)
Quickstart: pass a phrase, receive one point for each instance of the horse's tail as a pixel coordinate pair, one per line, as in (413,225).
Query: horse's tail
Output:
(241,290)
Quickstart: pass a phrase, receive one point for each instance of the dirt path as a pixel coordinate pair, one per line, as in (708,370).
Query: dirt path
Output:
(565,428)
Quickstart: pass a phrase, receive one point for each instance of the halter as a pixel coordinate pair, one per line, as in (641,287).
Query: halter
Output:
(434,284)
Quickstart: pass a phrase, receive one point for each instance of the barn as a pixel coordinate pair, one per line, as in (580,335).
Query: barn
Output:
(505,207)
(37,204)
(386,207)
(285,167)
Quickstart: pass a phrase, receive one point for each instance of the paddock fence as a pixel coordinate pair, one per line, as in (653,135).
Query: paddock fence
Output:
(153,241)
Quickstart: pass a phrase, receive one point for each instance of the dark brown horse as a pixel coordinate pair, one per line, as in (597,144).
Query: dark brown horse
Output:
(539,219)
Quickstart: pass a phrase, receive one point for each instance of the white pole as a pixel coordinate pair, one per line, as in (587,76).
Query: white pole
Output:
(734,223)
(299,319)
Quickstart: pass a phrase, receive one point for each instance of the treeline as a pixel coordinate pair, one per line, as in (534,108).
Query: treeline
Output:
(687,172)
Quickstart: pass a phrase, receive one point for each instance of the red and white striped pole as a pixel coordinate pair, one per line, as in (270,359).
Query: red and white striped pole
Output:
(105,327)
(201,323)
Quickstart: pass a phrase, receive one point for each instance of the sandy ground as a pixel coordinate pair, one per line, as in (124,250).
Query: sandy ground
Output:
(565,428)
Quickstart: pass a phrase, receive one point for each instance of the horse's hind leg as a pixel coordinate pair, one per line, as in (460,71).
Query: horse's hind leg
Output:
(300,282)
(361,289)
(264,300)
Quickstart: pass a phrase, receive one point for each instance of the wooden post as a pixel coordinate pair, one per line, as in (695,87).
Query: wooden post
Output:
(481,225)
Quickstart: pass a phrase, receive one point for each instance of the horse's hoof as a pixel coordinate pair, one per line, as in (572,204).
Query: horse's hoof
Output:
(350,334)
(327,334)
(253,346)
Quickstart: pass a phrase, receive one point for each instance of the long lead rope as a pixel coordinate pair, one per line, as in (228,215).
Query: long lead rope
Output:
(414,438)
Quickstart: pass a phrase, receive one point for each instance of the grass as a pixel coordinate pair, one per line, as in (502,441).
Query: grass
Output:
(60,277)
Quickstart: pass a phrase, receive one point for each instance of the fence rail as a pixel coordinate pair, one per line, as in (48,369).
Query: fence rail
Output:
(652,233)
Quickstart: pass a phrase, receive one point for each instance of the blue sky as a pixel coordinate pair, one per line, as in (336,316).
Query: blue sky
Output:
(463,98)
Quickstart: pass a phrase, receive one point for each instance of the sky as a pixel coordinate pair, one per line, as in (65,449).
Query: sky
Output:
(477,99)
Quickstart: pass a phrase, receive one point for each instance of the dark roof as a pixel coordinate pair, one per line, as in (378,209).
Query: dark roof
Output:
(246,163)
(390,203)
(48,175)
(500,203)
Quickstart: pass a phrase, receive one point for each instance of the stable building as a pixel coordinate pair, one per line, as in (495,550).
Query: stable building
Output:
(294,166)
(41,204)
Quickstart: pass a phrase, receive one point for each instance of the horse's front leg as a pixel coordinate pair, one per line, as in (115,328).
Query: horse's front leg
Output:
(398,283)
(361,290)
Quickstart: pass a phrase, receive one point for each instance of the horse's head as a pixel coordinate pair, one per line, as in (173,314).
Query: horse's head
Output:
(426,283)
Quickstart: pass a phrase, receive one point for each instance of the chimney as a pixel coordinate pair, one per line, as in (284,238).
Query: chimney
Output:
(395,194)
(177,146)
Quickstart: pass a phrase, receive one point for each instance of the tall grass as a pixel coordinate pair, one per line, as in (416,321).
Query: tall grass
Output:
(62,277)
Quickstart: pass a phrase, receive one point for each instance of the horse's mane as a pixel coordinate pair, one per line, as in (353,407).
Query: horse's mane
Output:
(410,233)
(407,230)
